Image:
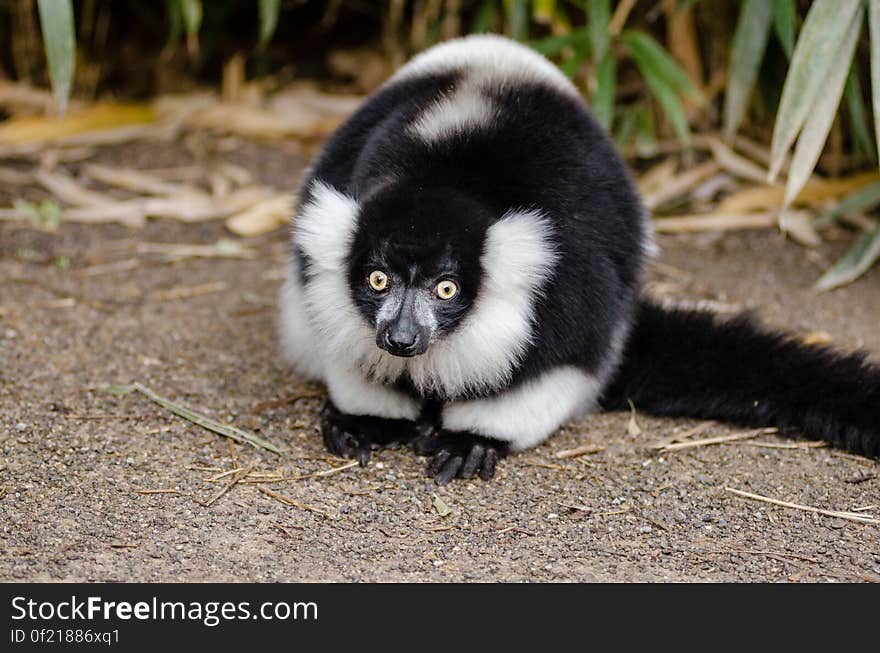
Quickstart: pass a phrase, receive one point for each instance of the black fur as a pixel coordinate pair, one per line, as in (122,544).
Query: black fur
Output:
(691,364)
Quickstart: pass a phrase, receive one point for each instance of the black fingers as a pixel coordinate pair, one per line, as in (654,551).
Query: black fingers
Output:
(450,470)
(489,462)
(461,455)
(474,461)
(453,454)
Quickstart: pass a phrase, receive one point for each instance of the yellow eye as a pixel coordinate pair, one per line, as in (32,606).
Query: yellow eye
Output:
(446,289)
(378,280)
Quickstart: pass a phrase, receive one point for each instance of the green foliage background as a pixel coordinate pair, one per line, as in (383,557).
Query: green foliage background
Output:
(786,72)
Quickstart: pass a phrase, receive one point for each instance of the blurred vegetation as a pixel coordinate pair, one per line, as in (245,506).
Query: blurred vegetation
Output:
(791,74)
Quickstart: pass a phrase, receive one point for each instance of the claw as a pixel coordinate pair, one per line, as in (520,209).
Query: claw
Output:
(438,461)
(474,461)
(489,463)
(450,470)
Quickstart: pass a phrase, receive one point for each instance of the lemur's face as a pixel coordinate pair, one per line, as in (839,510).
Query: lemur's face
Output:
(415,270)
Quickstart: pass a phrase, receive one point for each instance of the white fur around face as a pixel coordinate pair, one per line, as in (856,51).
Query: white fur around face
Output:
(298,343)
(487,56)
(319,317)
(479,356)
(325,226)
(482,353)
(529,413)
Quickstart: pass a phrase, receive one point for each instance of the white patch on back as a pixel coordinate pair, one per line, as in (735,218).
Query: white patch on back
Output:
(487,62)
(487,56)
(529,413)
(465,109)
(650,248)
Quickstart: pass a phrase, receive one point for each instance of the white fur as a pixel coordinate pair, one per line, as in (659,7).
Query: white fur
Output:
(354,394)
(481,354)
(649,244)
(325,226)
(487,62)
(529,413)
(465,109)
(298,343)
(490,57)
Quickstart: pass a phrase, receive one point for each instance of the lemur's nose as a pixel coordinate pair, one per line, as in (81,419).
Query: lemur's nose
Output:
(401,343)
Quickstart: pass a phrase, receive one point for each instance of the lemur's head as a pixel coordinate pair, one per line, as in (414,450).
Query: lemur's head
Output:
(440,284)
(415,265)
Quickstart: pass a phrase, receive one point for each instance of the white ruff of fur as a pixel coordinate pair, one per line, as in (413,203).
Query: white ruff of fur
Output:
(482,353)
(529,413)
(356,395)
(478,357)
(324,229)
(298,344)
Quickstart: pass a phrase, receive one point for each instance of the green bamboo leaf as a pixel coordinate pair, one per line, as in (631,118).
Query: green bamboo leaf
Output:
(553,45)
(853,264)
(785,24)
(646,137)
(571,65)
(175,22)
(874,34)
(668,99)
(749,43)
(543,11)
(862,199)
(827,23)
(603,98)
(191,11)
(484,19)
(625,127)
(822,113)
(517,18)
(599,14)
(59,41)
(665,90)
(855,104)
(269,10)
(650,54)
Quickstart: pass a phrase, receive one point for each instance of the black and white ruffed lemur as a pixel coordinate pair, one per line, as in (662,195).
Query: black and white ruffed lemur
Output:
(465,276)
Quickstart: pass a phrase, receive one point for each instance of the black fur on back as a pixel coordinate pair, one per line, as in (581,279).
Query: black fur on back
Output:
(694,364)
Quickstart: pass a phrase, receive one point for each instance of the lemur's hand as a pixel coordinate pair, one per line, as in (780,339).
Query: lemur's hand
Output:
(458,454)
(356,436)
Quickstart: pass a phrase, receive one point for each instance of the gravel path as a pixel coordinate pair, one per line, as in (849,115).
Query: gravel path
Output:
(79,468)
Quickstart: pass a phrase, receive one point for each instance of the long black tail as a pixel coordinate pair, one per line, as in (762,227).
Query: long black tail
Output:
(693,364)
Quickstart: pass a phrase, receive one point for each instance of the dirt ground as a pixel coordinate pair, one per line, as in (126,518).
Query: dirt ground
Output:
(76,463)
